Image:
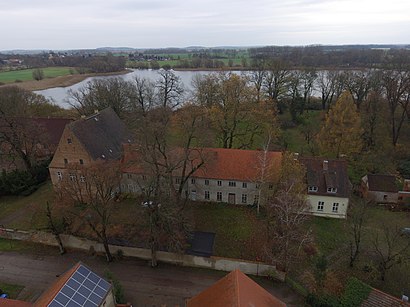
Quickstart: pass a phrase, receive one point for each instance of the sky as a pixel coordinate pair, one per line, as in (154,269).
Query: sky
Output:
(83,24)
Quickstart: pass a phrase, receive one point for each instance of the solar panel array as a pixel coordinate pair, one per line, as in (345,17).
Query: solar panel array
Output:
(84,288)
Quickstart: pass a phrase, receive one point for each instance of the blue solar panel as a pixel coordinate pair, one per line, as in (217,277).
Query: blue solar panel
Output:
(84,288)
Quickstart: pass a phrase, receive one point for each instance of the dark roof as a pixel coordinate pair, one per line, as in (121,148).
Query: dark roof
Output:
(102,134)
(202,244)
(53,126)
(235,290)
(383,183)
(333,176)
(378,298)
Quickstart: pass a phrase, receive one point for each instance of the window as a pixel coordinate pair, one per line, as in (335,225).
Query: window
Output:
(144,177)
(312,189)
(256,199)
(207,195)
(232,183)
(129,176)
(219,183)
(335,207)
(130,188)
(193,181)
(331,190)
(177,180)
(65,161)
(244,185)
(72,177)
(244,198)
(82,178)
(218,196)
(206,182)
(193,194)
(69,140)
(59,175)
(258,185)
(270,186)
(320,206)
(81,161)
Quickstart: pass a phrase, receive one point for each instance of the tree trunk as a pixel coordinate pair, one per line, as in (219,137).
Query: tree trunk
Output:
(154,262)
(107,250)
(60,243)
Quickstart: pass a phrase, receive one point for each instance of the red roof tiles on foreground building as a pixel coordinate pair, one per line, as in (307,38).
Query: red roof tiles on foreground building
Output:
(235,290)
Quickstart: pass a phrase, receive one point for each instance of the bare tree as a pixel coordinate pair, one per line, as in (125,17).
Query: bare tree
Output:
(396,85)
(390,249)
(170,89)
(276,81)
(287,213)
(54,228)
(102,93)
(358,214)
(329,86)
(257,77)
(89,193)
(359,84)
(144,95)
(38,74)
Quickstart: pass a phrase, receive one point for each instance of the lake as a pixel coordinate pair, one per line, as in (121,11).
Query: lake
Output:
(60,96)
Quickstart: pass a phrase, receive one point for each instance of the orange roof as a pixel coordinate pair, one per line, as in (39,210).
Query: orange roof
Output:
(219,163)
(14,303)
(51,292)
(235,290)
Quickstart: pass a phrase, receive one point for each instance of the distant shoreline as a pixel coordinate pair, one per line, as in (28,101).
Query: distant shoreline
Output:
(61,81)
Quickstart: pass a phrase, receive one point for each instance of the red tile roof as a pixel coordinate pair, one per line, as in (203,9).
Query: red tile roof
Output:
(219,163)
(235,290)
(378,298)
(14,303)
(51,292)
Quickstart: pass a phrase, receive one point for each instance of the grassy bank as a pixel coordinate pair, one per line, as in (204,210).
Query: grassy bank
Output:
(27,74)
(12,290)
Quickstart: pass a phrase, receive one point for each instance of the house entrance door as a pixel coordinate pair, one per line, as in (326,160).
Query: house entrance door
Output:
(231,198)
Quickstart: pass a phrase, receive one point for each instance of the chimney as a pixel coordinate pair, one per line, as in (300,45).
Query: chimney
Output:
(82,116)
(96,111)
(296,156)
(325,165)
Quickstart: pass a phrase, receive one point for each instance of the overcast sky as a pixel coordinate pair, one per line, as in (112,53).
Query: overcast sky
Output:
(72,24)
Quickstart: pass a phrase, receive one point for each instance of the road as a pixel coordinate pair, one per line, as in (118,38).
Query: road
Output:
(166,285)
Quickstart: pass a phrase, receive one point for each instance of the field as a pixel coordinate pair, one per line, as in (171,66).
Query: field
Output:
(27,74)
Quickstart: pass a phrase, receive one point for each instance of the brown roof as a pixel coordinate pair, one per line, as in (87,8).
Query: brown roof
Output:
(335,176)
(53,126)
(219,163)
(382,183)
(235,290)
(378,298)
(102,134)
(14,303)
(55,287)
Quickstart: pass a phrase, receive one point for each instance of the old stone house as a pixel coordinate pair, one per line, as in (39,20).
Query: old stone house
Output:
(99,137)
(380,188)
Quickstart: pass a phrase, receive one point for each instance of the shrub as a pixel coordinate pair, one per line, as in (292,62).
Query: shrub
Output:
(355,293)
(118,289)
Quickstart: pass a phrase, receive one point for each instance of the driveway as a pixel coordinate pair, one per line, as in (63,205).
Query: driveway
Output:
(167,285)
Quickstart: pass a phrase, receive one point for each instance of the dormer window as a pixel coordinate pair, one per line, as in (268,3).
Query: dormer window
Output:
(312,189)
(331,190)
(69,140)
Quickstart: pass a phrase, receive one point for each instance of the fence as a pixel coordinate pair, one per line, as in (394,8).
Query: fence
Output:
(215,263)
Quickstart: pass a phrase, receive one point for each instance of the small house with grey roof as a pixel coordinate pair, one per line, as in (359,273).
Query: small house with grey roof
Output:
(99,137)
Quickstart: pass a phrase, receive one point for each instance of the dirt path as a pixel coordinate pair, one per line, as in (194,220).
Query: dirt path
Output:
(143,286)
(61,81)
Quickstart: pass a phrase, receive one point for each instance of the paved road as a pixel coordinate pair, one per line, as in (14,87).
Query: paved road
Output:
(166,285)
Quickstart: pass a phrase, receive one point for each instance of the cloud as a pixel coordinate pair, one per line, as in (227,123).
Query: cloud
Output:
(159,23)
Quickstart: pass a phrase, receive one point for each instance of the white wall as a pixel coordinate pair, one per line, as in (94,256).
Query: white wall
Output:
(328,206)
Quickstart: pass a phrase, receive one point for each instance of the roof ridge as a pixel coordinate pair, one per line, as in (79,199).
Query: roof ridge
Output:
(236,277)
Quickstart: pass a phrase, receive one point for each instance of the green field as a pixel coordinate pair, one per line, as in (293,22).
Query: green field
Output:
(12,290)
(27,74)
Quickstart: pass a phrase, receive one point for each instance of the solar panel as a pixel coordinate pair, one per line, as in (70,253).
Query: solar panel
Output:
(84,289)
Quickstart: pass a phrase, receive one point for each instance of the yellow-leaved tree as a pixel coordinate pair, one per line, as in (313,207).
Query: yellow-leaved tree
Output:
(341,133)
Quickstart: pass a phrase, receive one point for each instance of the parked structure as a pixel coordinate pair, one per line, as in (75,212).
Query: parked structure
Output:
(381,189)
(88,140)
(235,290)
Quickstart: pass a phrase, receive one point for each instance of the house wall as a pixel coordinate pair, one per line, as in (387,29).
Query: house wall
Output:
(72,152)
(109,300)
(328,206)
(132,183)
(382,197)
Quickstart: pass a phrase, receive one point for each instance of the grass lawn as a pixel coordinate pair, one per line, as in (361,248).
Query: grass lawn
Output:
(27,74)
(26,212)
(12,290)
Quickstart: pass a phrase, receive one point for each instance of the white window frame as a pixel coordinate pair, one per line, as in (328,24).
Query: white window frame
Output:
(219,196)
(192,180)
(206,182)
(313,189)
(256,199)
(219,183)
(59,175)
(335,207)
(331,190)
(73,177)
(232,183)
(244,185)
(82,178)
(244,198)
(206,195)
(320,206)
